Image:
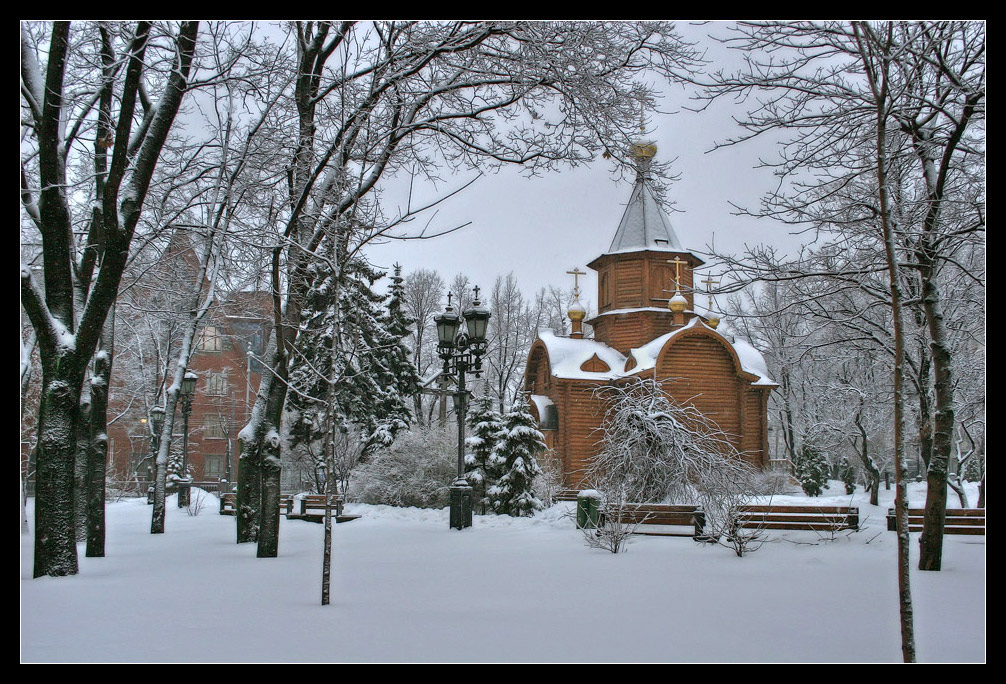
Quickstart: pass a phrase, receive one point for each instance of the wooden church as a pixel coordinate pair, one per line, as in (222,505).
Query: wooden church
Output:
(642,330)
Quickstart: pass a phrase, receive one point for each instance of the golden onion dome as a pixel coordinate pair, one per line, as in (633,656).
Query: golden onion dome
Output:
(677,303)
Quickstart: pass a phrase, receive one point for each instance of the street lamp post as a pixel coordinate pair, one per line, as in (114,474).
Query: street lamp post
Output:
(156,424)
(188,390)
(462,351)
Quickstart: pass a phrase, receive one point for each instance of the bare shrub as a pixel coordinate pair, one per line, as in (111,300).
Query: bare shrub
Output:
(416,470)
(197,502)
(654,449)
(548,483)
(616,527)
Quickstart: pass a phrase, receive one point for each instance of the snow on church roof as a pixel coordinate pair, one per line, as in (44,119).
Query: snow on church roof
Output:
(644,224)
(752,361)
(566,355)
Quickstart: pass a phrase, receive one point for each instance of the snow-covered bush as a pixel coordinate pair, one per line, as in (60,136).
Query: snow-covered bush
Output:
(811,470)
(416,470)
(615,529)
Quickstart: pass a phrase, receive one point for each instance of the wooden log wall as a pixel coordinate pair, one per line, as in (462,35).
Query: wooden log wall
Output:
(698,370)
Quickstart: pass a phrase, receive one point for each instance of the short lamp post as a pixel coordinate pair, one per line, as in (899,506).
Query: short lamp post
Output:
(462,351)
(156,425)
(188,390)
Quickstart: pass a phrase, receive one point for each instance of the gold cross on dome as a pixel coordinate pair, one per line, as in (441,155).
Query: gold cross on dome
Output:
(709,282)
(576,273)
(677,261)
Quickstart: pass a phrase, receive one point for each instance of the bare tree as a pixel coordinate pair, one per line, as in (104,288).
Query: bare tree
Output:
(424,292)
(854,98)
(658,449)
(914,92)
(81,278)
(509,337)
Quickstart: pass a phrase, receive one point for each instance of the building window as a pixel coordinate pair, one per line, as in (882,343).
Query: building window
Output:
(216,384)
(215,427)
(209,339)
(214,466)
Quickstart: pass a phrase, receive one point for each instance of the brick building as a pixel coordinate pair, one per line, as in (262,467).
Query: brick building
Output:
(230,343)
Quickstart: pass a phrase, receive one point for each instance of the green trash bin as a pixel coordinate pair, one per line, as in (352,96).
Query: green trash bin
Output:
(588,509)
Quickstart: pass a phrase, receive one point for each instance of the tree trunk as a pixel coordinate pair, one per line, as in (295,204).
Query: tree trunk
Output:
(864,456)
(97,455)
(59,413)
(962,495)
(877,64)
(80,465)
(249,499)
(268,535)
(931,539)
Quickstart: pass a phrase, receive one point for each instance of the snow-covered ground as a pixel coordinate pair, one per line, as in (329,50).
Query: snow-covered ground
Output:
(407,588)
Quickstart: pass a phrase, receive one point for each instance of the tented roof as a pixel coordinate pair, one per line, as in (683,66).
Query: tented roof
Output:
(644,224)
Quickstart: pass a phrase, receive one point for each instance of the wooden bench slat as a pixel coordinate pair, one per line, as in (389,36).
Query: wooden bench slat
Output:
(799,509)
(956,512)
(647,515)
(787,518)
(957,521)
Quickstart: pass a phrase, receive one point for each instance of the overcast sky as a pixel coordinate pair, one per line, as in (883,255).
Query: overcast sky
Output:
(539,228)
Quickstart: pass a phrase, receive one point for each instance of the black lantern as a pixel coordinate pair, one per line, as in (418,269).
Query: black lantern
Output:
(477,320)
(188,389)
(462,352)
(156,425)
(189,383)
(157,420)
(447,325)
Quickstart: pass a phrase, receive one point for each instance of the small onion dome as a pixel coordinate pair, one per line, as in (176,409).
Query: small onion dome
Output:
(643,150)
(576,311)
(712,322)
(677,303)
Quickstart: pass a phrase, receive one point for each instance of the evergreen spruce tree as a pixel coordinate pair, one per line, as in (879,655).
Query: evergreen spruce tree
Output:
(520,443)
(396,367)
(482,464)
(811,470)
(365,341)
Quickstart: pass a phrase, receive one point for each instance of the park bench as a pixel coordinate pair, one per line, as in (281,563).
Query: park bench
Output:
(649,517)
(229,504)
(816,518)
(958,520)
(311,507)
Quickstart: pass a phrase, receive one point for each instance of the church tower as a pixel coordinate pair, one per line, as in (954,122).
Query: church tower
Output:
(645,279)
(646,328)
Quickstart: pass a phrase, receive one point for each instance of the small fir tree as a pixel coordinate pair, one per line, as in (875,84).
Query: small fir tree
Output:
(483,466)
(811,470)
(520,443)
(848,475)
